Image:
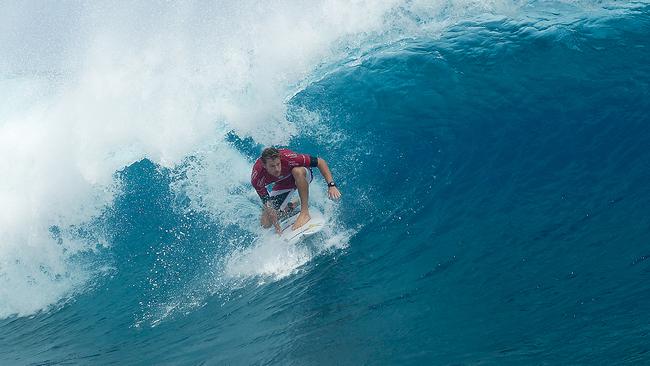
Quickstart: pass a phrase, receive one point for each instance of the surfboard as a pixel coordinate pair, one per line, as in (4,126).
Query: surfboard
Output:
(311,227)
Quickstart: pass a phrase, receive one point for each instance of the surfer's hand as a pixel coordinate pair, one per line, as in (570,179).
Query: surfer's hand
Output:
(270,216)
(271,213)
(333,193)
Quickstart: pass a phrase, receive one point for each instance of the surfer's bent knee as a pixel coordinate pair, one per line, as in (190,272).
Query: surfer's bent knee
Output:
(299,172)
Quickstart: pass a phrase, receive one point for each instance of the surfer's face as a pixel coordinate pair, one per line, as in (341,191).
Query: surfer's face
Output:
(273,166)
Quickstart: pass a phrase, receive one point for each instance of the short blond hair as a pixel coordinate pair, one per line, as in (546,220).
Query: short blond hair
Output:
(269,153)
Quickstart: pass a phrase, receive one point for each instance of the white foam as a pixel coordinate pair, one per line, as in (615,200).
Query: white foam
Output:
(269,258)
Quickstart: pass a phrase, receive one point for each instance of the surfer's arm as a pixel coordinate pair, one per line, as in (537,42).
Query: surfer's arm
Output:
(332,191)
(271,215)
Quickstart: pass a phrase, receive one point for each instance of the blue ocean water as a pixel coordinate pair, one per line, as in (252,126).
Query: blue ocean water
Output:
(494,174)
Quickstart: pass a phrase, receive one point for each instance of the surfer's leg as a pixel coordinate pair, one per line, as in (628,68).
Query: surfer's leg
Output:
(302,183)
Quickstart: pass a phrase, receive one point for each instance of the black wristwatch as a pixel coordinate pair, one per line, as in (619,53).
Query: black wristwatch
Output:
(331,184)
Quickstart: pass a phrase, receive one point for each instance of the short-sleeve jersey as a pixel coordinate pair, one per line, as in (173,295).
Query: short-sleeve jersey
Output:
(260,178)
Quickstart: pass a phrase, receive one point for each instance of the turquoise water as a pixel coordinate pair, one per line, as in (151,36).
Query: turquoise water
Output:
(493,160)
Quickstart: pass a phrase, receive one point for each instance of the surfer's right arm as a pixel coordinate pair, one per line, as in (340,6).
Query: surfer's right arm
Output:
(269,214)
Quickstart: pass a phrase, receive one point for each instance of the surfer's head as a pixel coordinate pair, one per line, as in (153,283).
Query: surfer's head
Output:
(271,161)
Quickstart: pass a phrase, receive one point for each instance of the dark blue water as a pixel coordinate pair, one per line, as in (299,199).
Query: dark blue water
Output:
(495,200)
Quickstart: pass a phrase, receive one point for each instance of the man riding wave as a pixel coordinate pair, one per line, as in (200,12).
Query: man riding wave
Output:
(289,171)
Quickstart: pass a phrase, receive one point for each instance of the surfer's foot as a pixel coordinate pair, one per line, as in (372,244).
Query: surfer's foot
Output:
(302,219)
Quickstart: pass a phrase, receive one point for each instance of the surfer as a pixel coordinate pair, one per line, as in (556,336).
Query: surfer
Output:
(289,171)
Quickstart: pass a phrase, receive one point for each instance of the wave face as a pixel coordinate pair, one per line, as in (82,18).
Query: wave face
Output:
(493,157)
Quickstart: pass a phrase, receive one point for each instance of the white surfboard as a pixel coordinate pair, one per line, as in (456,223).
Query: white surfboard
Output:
(315,224)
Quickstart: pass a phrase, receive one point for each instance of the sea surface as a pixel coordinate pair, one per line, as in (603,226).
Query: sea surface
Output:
(493,159)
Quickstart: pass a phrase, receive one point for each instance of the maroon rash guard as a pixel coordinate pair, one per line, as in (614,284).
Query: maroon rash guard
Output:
(260,178)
